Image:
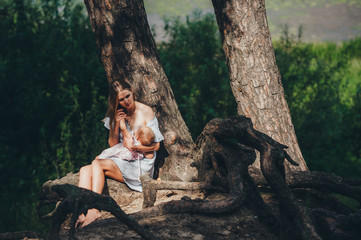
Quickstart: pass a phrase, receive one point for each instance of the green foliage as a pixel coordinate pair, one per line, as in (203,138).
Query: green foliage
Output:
(315,77)
(194,62)
(52,92)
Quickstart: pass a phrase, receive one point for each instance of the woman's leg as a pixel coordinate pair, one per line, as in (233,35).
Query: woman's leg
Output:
(100,169)
(85,181)
(112,170)
(85,177)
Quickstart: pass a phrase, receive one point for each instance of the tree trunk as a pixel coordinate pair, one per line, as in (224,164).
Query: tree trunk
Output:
(255,78)
(128,52)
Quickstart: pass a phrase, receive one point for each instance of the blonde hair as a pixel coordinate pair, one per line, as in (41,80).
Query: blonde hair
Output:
(146,136)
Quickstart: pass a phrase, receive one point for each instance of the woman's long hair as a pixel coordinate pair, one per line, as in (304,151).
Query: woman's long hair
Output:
(114,89)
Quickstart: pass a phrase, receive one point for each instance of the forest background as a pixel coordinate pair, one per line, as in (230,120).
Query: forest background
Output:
(53,87)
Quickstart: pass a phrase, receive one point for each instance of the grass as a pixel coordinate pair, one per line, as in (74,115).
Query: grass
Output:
(174,8)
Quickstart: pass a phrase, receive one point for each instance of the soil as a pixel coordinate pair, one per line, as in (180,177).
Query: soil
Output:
(241,224)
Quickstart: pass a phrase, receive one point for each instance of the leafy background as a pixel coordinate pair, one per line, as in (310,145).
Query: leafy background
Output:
(53,88)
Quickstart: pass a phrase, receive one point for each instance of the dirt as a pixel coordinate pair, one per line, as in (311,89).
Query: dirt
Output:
(241,224)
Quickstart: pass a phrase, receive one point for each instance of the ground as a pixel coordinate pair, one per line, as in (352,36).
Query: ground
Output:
(241,224)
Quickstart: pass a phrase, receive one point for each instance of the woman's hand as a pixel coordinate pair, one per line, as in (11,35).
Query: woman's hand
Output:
(120,119)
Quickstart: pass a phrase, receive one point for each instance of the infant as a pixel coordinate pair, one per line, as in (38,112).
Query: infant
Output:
(145,137)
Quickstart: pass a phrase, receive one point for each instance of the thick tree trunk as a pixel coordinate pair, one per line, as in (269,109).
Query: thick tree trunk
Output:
(128,52)
(255,79)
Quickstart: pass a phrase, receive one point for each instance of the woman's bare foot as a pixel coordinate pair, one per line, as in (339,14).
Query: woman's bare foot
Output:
(92,215)
(80,221)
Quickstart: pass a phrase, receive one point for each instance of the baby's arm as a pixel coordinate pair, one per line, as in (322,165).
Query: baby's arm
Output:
(127,136)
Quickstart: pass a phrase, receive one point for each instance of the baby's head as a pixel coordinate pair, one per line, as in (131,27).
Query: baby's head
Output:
(145,135)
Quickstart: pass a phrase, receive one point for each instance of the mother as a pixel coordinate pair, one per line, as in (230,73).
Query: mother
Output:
(92,176)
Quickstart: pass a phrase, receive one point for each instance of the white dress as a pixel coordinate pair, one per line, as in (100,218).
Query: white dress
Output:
(119,151)
(130,169)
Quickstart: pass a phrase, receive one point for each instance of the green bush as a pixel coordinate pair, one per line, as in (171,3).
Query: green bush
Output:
(316,79)
(52,92)
(194,62)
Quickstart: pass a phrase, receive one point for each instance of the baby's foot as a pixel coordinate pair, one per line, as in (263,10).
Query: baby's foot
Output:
(93,214)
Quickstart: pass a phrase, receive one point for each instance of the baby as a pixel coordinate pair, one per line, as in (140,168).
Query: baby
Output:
(144,135)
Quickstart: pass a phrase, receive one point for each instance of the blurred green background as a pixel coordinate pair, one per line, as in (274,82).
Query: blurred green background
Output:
(53,88)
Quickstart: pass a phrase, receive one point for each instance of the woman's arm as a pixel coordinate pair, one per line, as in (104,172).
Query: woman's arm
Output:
(115,138)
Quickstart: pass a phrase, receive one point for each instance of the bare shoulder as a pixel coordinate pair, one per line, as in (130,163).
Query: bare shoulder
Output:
(146,111)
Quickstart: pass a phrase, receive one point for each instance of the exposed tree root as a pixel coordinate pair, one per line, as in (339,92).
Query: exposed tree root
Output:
(338,226)
(19,235)
(325,182)
(150,188)
(318,199)
(77,201)
(223,154)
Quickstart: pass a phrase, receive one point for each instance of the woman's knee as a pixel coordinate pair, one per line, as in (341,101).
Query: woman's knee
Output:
(85,171)
(97,164)
(103,164)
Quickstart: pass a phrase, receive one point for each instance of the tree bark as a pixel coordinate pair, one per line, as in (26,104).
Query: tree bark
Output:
(128,52)
(255,78)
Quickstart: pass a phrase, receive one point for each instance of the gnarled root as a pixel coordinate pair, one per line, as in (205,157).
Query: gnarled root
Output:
(272,153)
(150,188)
(337,226)
(222,164)
(77,201)
(326,182)
(19,235)
(187,205)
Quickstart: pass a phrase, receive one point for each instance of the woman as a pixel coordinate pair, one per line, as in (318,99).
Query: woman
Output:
(121,105)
